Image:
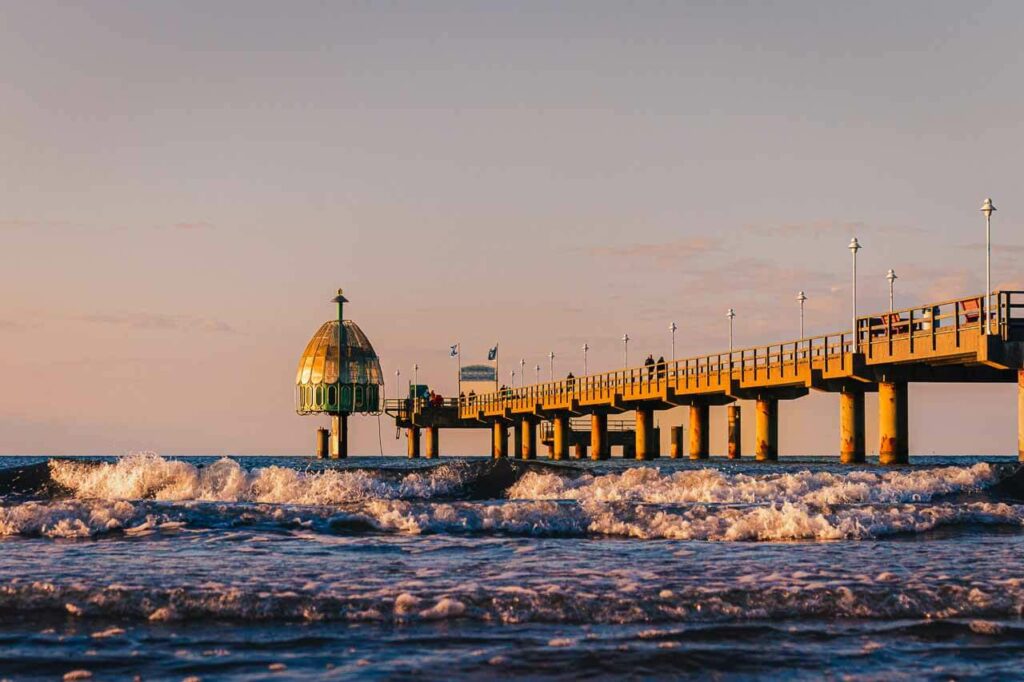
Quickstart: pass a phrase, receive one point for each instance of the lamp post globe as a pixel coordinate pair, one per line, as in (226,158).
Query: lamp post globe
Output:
(854,247)
(987,208)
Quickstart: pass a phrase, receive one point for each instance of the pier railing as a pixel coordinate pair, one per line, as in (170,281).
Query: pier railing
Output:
(946,328)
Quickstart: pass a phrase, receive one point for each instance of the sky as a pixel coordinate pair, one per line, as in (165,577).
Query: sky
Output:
(185,185)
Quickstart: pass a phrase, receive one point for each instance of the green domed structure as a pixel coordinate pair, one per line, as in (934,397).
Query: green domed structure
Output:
(339,374)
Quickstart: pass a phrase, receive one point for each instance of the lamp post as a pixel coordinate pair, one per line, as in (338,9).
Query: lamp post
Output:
(511,378)
(731,315)
(891,276)
(551,366)
(538,373)
(987,209)
(398,383)
(672,330)
(522,371)
(585,349)
(801,298)
(625,349)
(854,248)
(415,380)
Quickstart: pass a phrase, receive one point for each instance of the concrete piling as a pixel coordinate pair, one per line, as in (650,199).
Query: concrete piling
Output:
(517,441)
(767,431)
(894,447)
(699,432)
(580,450)
(851,427)
(561,436)
(433,446)
(735,432)
(676,447)
(529,438)
(599,448)
(644,432)
(413,437)
(323,444)
(339,436)
(500,440)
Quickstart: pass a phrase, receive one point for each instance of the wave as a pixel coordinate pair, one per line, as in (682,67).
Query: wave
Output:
(710,485)
(775,522)
(149,476)
(758,598)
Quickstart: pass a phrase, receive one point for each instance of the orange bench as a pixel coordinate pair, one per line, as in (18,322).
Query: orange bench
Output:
(971,309)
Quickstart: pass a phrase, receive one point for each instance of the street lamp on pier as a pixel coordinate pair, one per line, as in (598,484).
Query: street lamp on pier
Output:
(891,276)
(801,298)
(538,373)
(551,366)
(987,209)
(731,315)
(625,349)
(522,371)
(585,349)
(672,330)
(398,383)
(854,248)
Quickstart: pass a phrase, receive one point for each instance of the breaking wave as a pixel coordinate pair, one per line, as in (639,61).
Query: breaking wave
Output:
(709,485)
(149,476)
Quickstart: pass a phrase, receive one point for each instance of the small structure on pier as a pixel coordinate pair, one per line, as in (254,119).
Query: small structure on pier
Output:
(339,374)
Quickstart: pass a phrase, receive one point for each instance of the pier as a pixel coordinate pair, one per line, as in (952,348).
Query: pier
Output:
(956,341)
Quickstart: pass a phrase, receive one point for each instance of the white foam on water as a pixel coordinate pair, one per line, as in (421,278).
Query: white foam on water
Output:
(787,521)
(73,518)
(149,476)
(646,484)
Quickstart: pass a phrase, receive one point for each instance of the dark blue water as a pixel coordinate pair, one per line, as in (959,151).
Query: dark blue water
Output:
(263,568)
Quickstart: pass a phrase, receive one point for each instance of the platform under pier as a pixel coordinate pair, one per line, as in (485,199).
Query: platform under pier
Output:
(893,421)
(599,447)
(852,445)
(766,430)
(700,441)
(412,435)
(735,432)
(433,442)
(644,431)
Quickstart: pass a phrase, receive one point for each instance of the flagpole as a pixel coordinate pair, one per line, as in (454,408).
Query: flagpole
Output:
(458,349)
(496,351)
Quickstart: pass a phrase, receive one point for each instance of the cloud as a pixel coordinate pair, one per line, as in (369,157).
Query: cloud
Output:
(820,228)
(156,321)
(664,254)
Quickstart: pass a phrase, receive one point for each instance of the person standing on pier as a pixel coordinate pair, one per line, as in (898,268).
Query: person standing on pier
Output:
(649,364)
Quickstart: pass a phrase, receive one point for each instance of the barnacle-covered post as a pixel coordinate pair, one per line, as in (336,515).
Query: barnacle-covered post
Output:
(339,374)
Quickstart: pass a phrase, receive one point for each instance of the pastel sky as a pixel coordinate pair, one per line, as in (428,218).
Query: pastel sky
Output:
(184,185)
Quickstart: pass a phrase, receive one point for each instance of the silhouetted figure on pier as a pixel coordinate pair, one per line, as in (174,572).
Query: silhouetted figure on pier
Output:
(570,381)
(662,368)
(649,364)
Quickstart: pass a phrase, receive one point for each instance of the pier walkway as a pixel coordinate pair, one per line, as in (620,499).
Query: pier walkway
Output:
(948,341)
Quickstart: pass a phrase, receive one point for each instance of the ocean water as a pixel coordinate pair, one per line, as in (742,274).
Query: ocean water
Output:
(380,568)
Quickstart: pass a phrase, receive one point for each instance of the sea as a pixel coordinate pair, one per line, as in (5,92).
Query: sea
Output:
(257,568)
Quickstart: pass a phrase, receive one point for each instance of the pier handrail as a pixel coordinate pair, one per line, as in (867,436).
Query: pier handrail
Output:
(875,335)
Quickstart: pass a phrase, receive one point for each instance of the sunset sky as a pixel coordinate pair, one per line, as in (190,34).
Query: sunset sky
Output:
(185,185)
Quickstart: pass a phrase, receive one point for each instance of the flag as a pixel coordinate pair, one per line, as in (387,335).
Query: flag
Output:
(492,354)
(455,350)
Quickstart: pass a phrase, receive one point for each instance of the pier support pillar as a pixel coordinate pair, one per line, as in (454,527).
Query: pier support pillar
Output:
(676,447)
(528,436)
(644,432)
(413,436)
(699,432)
(561,436)
(517,440)
(580,450)
(767,431)
(433,444)
(851,427)
(500,440)
(339,436)
(599,448)
(1020,415)
(894,447)
(323,442)
(735,432)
